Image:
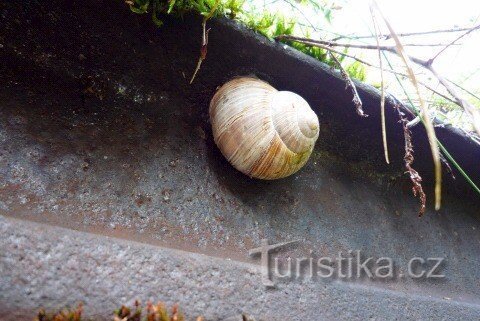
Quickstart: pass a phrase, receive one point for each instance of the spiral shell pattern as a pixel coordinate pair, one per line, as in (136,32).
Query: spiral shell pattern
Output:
(262,132)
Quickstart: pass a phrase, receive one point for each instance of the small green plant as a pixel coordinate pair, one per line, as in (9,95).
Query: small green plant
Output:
(177,7)
(357,70)
(233,8)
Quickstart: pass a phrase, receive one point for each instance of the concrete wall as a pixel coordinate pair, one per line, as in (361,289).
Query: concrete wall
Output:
(101,133)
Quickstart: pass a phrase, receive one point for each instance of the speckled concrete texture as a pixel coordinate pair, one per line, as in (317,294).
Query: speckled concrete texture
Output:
(100,132)
(52,267)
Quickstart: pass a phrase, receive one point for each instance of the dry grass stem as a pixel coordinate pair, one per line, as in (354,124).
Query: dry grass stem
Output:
(203,48)
(425,115)
(382,97)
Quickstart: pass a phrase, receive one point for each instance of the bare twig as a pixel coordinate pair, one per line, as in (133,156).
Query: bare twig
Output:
(350,85)
(352,45)
(391,49)
(438,93)
(414,176)
(430,61)
(318,28)
(315,44)
(382,97)
(472,110)
(409,34)
(457,99)
(295,7)
(464,89)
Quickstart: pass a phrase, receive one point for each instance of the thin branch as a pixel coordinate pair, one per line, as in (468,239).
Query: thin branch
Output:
(319,29)
(408,34)
(351,45)
(464,89)
(429,44)
(472,110)
(430,61)
(391,49)
(350,85)
(315,44)
(438,93)
(302,13)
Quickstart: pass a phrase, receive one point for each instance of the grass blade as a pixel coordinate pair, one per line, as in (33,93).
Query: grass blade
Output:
(432,138)
(382,98)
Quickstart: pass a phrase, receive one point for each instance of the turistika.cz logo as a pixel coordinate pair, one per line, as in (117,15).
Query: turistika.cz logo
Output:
(345,265)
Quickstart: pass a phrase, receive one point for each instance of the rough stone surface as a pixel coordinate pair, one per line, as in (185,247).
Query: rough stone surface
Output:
(100,132)
(60,267)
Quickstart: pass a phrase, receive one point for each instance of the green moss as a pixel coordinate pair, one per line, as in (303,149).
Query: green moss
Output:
(266,23)
(357,70)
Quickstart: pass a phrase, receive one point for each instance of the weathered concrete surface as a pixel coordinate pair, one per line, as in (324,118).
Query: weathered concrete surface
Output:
(60,267)
(100,132)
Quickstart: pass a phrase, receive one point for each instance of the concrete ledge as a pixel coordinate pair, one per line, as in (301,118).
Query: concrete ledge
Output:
(52,267)
(136,160)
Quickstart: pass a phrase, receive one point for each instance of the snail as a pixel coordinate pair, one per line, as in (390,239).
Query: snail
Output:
(262,132)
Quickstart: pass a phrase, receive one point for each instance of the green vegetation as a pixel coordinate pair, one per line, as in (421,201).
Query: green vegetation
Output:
(229,8)
(267,23)
(271,25)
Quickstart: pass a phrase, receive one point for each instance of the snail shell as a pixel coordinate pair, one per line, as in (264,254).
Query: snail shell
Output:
(262,132)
